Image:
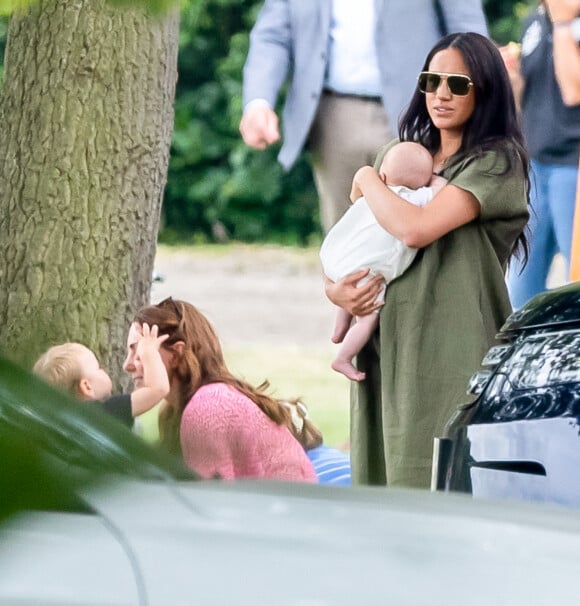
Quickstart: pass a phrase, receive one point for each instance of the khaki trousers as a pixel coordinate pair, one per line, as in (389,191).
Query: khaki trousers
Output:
(346,134)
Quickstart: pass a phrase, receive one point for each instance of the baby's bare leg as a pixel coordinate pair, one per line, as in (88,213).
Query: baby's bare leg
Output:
(358,334)
(341,325)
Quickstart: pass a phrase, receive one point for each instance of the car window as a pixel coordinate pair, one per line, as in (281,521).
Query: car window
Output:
(545,360)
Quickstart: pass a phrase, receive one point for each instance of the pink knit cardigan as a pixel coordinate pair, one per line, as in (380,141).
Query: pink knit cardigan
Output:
(224,432)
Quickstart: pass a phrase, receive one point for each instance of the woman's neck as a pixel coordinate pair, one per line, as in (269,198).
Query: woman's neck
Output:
(450,144)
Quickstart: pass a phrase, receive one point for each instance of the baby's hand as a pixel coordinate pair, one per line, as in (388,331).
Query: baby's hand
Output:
(150,339)
(360,176)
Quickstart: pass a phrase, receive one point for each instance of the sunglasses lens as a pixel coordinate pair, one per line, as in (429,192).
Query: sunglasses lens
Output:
(429,83)
(458,85)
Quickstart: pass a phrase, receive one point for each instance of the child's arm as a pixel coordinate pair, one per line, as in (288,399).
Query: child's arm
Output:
(355,192)
(155,380)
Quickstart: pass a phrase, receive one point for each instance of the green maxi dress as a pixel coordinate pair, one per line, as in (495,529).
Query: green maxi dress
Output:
(439,319)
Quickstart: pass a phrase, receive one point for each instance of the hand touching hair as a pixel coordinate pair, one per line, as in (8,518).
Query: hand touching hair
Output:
(195,358)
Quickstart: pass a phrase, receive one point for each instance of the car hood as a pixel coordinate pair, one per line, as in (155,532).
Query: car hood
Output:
(266,542)
(556,307)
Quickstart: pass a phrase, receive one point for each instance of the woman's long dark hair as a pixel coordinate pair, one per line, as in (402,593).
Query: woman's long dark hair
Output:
(494,121)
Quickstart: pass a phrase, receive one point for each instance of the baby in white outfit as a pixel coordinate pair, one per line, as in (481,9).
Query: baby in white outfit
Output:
(357,241)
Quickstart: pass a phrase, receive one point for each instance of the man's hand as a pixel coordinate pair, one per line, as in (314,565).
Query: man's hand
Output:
(259,127)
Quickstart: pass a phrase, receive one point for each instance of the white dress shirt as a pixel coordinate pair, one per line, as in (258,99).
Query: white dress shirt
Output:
(352,58)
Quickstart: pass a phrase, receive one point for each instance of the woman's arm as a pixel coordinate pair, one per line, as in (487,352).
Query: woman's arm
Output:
(511,57)
(566,50)
(415,226)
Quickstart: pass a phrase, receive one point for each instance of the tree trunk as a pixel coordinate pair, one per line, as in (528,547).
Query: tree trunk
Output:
(87,117)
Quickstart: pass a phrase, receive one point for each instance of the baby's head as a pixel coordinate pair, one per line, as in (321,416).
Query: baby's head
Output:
(409,164)
(74,368)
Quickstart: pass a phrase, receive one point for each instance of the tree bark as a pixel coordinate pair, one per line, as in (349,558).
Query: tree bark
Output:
(87,115)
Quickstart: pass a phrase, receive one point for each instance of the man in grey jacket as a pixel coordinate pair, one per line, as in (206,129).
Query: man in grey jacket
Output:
(352,66)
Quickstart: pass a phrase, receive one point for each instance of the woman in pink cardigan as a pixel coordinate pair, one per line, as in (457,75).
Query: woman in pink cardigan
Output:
(221,425)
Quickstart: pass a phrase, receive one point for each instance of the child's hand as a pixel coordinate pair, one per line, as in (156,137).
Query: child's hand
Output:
(150,339)
(149,375)
(360,175)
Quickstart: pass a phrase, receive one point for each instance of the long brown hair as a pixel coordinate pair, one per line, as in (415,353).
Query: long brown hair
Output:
(302,427)
(199,363)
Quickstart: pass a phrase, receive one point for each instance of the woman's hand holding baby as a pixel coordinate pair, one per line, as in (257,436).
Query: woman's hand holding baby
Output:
(357,300)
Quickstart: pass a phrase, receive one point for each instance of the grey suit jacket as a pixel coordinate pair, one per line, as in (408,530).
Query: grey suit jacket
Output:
(290,39)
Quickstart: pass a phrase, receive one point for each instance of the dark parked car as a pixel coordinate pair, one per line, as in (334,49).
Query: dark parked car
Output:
(104,520)
(520,438)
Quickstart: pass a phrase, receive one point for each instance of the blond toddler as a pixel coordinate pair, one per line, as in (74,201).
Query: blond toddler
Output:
(74,368)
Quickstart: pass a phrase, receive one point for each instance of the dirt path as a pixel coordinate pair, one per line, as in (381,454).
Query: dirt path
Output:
(258,295)
(253,295)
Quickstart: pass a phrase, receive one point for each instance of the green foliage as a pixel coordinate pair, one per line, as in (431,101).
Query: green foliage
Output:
(155,7)
(217,187)
(9,6)
(50,445)
(505,18)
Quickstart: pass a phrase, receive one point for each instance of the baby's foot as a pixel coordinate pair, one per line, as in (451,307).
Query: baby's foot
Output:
(348,370)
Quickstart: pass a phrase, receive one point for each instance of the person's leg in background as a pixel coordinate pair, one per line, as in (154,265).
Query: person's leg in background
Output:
(524,284)
(347,134)
(562,195)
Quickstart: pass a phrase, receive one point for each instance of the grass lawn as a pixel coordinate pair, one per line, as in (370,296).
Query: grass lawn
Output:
(292,372)
(295,372)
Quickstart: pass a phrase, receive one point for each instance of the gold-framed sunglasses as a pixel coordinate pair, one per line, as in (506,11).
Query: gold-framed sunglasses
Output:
(458,84)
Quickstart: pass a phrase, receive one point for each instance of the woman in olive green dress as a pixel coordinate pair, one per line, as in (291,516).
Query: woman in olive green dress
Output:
(441,316)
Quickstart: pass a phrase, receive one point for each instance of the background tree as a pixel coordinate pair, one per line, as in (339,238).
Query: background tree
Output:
(87,114)
(87,118)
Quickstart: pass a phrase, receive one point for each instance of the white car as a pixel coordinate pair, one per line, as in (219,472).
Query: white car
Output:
(141,534)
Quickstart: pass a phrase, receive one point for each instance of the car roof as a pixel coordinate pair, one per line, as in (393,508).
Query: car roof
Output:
(558,308)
